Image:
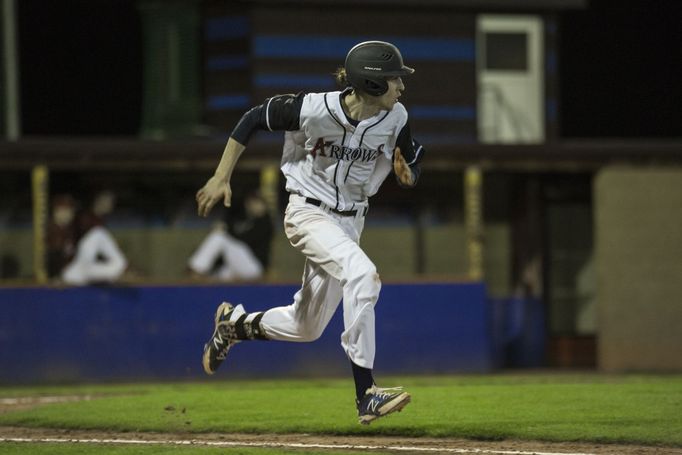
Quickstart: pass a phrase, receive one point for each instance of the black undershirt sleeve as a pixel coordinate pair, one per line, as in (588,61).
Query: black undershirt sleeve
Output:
(279,113)
(412,151)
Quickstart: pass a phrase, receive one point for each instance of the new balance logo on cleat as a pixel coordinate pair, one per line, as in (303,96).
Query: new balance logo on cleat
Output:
(379,402)
(216,349)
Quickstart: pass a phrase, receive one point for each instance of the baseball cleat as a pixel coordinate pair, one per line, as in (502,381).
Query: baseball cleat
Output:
(223,338)
(379,402)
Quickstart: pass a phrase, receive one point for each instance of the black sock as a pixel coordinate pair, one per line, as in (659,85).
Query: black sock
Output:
(363,380)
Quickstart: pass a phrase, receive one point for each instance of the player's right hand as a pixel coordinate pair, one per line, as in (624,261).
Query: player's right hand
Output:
(214,190)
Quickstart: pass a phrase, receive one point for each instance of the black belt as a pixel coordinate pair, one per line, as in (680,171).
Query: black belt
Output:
(317,203)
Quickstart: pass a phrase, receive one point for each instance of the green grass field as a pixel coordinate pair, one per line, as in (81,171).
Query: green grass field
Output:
(631,409)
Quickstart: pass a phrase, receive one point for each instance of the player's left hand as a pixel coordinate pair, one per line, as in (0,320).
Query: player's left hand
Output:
(401,169)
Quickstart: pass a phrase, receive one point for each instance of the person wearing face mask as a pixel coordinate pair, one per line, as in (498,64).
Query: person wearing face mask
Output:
(61,234)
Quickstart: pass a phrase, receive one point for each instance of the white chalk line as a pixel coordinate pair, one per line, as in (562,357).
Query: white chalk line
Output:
(288,445)
(44,400)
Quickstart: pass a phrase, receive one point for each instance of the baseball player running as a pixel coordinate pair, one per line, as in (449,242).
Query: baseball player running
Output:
(339,147)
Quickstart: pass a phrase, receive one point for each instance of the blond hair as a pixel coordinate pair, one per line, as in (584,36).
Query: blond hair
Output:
(341,77)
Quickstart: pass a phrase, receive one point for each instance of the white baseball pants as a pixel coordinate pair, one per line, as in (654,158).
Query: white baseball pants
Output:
(86,268)
(336,268)
(239,263)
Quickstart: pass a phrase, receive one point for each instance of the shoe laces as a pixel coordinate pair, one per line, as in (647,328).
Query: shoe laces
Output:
(384,392)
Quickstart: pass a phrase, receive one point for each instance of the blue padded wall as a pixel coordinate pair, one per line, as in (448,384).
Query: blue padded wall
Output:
(158,332)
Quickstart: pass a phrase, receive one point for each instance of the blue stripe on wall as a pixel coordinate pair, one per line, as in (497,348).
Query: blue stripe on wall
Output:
(551,107)
(550,62)
(550,27)
(224,102)
(426,112)
(336,47)
(297,81)
(227,62)
(226,27)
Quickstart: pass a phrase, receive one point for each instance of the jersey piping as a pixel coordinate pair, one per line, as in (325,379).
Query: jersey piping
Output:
(343,142)
(267,114)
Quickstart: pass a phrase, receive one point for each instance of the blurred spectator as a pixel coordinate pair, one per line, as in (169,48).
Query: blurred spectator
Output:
(98,258)
(61,234)
(255,227)
(239,248)
(223,257)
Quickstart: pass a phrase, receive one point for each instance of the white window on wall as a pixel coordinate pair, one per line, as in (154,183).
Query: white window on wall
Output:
(510,78)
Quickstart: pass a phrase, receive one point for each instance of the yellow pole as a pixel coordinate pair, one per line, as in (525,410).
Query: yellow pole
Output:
(269,190)
(269,187)
(40,185)
(473,215)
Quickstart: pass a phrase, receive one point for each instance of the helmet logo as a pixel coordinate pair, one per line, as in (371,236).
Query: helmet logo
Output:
(372,68)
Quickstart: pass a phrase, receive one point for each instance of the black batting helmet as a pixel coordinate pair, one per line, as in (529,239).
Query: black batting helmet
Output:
(370,63)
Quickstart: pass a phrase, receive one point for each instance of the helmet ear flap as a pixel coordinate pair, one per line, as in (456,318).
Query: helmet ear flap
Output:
(375,87)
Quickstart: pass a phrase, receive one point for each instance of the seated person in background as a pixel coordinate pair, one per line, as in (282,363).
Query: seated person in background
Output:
(98,258)
(225,258)
(61,234)
(254,227)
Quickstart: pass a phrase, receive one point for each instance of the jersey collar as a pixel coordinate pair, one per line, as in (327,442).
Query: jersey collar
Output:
(341,113)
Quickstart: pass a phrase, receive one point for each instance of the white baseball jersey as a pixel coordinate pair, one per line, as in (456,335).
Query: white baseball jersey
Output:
(335,160)
(328,156)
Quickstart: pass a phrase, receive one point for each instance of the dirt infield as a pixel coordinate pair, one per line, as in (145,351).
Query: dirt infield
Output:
(336,443)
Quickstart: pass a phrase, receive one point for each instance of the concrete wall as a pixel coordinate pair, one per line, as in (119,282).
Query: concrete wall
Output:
(638,235)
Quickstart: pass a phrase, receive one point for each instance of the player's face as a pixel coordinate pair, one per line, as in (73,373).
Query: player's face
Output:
(395,89)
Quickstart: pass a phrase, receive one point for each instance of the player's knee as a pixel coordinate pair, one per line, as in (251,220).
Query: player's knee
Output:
(365,270)
(310,333)
(376,282)
(369,281)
